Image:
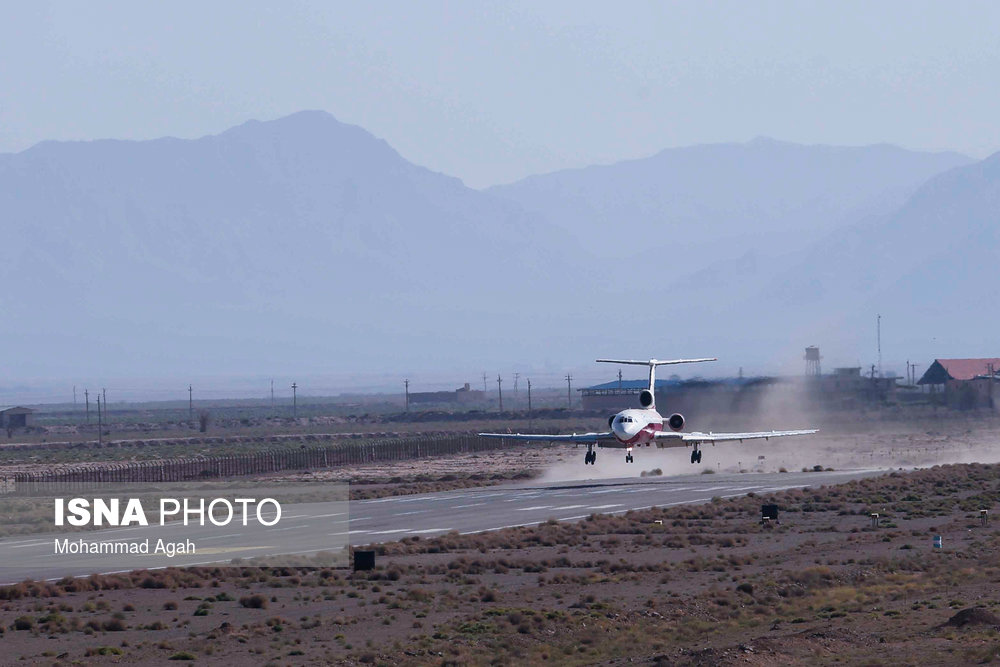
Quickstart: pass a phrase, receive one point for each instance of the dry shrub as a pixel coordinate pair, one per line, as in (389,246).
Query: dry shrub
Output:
(113,625)
(23,623)
(254,602)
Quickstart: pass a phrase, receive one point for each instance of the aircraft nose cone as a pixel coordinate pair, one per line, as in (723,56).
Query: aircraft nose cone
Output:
(624,430)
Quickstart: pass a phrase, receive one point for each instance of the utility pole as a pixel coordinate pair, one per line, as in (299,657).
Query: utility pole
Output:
(86,396)
(529,403)
(500,390)
(485,387)
(619,379)
(104,400)
(879,338)
(406,383)
(190,402)
(100,424)
(516,376)
(295,400)
(272,396)
(569,390)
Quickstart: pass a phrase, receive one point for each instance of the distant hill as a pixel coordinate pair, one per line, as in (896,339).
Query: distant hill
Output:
(930,269)
(752,251)
(304,245)
(701,203)
(296,243)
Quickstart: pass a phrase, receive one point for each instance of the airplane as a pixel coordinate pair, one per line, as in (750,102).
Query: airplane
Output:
(644,426)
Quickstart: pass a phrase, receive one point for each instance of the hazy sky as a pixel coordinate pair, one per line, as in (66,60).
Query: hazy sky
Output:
(492,92)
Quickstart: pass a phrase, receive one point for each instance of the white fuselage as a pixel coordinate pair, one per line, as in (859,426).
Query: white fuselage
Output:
(636,426)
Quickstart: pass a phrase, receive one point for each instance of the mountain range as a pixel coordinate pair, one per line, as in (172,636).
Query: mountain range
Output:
(307,245)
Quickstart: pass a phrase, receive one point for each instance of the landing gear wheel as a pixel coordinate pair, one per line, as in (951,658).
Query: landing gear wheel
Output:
(590,457)
(699,457)
(628,458)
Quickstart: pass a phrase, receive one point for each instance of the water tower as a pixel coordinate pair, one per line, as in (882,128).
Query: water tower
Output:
(812,361)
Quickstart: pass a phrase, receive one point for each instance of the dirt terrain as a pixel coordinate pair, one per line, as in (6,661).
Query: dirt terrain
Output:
(699,585)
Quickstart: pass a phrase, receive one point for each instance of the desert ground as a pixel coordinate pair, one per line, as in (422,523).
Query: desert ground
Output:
(701,585)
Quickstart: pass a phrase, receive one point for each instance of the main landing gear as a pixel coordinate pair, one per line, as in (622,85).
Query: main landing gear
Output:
(591,456)
(696,455)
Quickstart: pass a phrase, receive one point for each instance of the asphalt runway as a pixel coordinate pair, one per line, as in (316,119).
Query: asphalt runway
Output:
(312,527)
(493,508)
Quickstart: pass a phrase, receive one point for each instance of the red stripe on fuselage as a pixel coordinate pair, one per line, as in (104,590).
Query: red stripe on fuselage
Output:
(645,434)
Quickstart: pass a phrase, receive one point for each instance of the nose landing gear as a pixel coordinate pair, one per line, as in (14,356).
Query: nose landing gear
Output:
(696,455)
(591,456)
(628,456)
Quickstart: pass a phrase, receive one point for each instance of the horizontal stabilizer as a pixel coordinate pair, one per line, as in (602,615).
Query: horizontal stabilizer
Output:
(654,362)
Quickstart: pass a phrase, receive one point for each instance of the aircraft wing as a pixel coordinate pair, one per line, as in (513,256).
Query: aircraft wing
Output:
(670,439)
(575,437)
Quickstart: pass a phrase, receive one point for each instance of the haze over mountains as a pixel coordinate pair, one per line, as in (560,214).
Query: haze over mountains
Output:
(304,245)
(721,200)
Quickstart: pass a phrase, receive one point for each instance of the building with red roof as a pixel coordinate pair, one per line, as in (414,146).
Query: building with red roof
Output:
(967,383)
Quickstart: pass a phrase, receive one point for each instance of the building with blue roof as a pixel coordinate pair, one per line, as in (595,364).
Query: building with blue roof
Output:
(672,394)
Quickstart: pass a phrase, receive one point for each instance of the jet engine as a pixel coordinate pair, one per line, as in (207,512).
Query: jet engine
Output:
(645,398)
(676,421)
